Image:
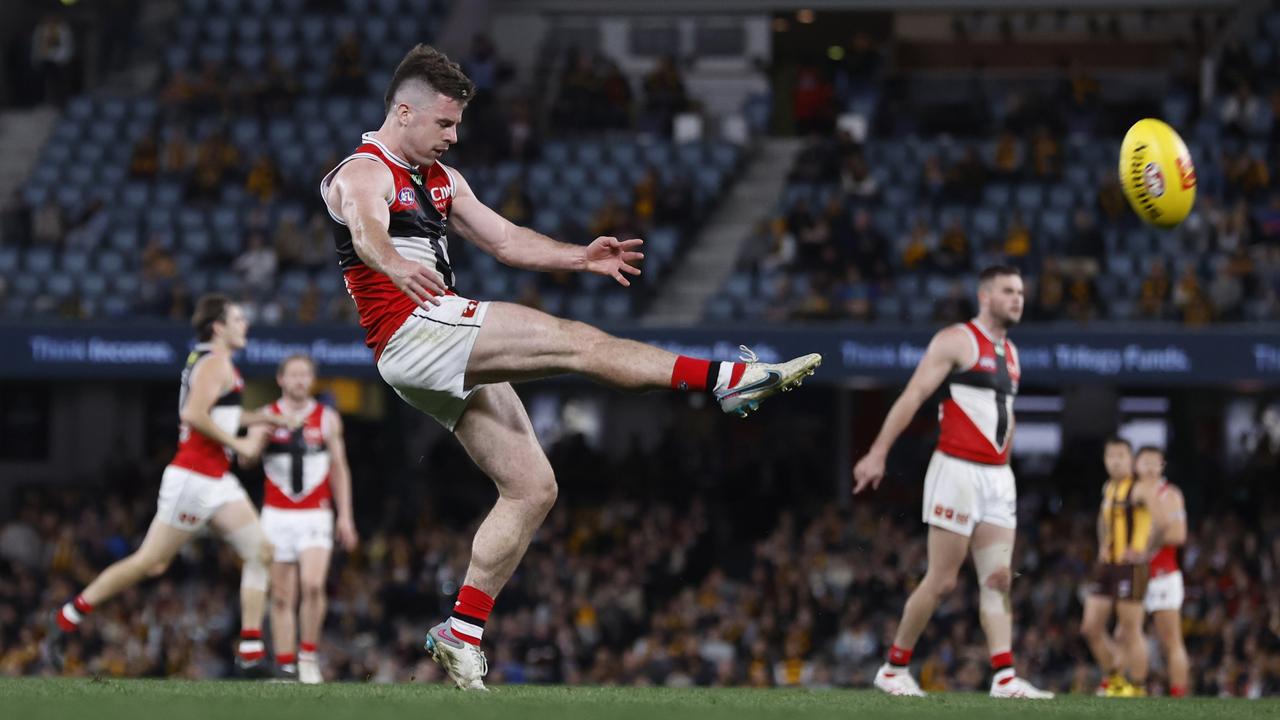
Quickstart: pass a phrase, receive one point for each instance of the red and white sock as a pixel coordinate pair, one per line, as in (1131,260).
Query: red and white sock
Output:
(72,613)
(1002,666)
(307,651)
(697,375)
(470,613)
(899,657)
(286,659)
(251,647)
(1177,691)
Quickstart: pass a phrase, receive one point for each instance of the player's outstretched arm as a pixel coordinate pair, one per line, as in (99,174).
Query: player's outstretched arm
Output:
(359,195)
(948,349)
(340,476)
(527,249)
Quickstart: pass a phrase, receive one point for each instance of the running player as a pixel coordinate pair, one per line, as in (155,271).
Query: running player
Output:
(454,359)
(1165,589)
(970,500)
(1120,576)
(197,488)
(307,477)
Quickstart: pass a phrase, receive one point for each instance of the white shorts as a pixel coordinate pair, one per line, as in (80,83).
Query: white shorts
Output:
(1164,593)
(188,499)
(292,531)
(425,361)
(959,494)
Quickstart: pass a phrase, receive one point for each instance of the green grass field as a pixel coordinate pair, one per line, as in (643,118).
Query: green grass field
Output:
(82,699)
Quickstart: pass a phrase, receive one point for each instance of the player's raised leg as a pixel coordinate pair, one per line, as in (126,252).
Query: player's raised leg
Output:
(497,433)
(237,522)
(284,608)
(1168,625)
(947,551)
(517,343)
(313,567)
(992,548)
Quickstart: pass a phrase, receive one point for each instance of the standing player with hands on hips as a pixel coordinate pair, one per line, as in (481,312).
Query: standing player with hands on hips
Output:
(307,478)
(970,500)
(391,202)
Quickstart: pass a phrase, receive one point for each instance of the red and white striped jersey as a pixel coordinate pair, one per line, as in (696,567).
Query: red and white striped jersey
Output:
(419,220)
(976,416)
(196,451)
(296,463)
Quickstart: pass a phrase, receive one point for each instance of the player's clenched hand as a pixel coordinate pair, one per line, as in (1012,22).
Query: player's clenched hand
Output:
(250,446)
(613,257)
(868,471)
(422,284)
(345,528)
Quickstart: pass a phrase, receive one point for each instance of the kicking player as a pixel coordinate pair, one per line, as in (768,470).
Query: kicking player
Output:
(453,358)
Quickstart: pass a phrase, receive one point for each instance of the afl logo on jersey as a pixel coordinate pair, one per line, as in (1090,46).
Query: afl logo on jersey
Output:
(406,196)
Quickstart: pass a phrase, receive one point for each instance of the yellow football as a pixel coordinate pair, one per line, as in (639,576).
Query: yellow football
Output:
(1157,174)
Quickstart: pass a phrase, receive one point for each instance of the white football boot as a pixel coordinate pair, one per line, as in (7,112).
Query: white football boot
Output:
(763,380)
(309,669)
(897,681)
(464,662)
(1016,687)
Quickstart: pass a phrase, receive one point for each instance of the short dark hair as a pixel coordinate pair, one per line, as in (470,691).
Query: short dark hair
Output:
(992,272)
(1149,449)
(210,308)
(1117,440)
(296,356)
(434,68)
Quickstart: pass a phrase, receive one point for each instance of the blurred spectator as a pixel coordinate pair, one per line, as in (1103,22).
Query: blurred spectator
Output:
(347,70)
(145,163)
(1226,294)
(664,97)
(515,204)
(954,307)
(289,243)
(1051,292)
(53,49)
(1154,292)
(1190,299)
(918,246)
(263,181)
(46,225)
(1017,241)
(256,266)
(1008,156)
(812,98)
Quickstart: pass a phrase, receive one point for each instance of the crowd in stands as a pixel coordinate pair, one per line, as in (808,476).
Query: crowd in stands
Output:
(893,226)
(707,567)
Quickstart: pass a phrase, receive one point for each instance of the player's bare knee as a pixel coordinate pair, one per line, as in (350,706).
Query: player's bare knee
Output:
(544,492)
(312,589)
(1000,580)
(266,552)
(941,584)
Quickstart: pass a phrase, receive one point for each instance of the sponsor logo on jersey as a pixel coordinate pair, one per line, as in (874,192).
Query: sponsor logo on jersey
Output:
(440,196)
(406,196)
(986,362)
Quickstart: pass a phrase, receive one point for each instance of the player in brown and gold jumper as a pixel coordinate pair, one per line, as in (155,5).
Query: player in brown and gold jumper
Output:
(1119,579)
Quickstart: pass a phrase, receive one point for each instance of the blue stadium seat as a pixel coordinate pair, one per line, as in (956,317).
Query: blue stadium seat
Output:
(60,286)
(27,284)
(888,310)
(9,258)
(197,7)
(312,28)
(227,7)
(662,244)
(251,57)
(117,306)
(738,286)
(615,306)
(359,7)
(111,262)
(38,260)
(1054,224)
(259,7)
(74,262)
(124,284)
(582,307)
(1120,265)
(996,196)
(197,282)
(92,286)
(196,243)
(720,309)
(376,31)
(1029,197)
(623,153)
(281,29)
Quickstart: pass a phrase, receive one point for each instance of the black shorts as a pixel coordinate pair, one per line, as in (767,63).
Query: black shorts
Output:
(1126,582)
